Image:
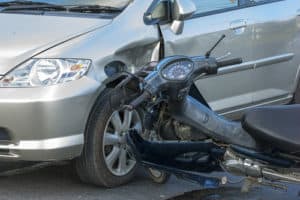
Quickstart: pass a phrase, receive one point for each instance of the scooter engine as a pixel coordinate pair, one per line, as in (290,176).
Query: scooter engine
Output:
(174,130)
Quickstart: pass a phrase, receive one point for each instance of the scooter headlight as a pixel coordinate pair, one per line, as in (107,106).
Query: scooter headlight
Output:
(46,72)
(179,70)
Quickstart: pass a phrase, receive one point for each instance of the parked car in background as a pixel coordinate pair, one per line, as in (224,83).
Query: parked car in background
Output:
(58,61)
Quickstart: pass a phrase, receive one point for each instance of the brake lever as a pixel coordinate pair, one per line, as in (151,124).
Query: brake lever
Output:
(224,56)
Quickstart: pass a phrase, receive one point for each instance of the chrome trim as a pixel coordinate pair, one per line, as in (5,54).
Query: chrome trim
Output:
(278,176)
(47,144)
(243,166)
(280,101)
(297,79)
(273,60)
(256,64)
(236,68)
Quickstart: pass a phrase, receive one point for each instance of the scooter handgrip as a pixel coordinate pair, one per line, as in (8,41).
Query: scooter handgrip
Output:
(229,62)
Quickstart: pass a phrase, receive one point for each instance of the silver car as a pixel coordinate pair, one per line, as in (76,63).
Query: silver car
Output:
(59,60)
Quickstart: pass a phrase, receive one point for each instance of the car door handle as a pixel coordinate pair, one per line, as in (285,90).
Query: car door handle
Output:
(241,23)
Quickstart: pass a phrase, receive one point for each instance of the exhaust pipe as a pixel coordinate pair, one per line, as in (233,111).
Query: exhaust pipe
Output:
(276,176)
(246,167)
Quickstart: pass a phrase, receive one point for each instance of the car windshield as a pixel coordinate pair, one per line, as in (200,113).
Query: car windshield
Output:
(112,3)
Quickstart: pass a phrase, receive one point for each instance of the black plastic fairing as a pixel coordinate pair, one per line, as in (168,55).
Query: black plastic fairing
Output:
(193,113)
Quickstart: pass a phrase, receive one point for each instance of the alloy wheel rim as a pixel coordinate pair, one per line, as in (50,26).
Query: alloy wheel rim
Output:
(117,154)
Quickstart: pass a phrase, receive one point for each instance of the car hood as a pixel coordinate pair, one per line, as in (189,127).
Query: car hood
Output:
(24,36)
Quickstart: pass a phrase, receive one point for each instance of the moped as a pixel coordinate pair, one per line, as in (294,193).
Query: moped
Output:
(183,136)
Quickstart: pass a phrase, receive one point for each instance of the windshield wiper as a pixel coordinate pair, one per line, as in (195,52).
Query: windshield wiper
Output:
(19,3)
(15,6)
(95,9)
(12,6)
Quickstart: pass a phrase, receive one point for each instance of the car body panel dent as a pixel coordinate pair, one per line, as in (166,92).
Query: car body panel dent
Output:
(133,44)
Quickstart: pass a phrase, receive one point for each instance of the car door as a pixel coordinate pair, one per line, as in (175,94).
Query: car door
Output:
(276,50)
(231,90)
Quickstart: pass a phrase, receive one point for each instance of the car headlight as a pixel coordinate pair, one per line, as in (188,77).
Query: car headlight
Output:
(46,72)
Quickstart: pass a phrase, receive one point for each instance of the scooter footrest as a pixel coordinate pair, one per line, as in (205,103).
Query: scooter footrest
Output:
(166,149)
(203,180)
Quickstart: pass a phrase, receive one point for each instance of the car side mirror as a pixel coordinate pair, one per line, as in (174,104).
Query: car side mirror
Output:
(158,13)
(182,9)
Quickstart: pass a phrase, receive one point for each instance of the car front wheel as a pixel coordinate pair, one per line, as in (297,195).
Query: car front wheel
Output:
(106,159)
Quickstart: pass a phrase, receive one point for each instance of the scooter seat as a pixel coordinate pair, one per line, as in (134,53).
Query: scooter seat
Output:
(276,126)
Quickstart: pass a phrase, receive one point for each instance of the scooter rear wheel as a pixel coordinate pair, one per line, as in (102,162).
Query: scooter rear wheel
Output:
(159,177)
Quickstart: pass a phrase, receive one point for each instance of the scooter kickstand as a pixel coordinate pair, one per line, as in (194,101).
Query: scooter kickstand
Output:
(247,185)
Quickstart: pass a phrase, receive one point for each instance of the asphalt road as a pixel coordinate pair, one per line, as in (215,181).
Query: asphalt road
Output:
(61,182)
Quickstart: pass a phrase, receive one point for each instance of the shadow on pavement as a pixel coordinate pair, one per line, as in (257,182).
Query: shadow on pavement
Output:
(234,193)
(218,194)
(61,182)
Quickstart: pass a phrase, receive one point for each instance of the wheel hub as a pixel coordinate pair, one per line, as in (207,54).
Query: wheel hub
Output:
(117,154)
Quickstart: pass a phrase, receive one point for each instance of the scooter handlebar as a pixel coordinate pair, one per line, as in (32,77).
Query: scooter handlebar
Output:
(213,69)
(139,100)
(229,62)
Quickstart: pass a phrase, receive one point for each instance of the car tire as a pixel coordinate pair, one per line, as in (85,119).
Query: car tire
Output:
(94,165)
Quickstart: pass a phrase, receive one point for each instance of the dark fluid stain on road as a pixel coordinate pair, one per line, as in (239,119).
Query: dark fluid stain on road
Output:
(234,193)
(214,194)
